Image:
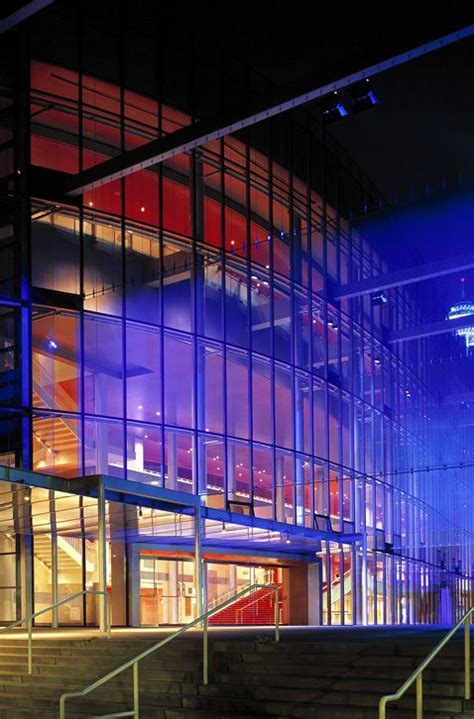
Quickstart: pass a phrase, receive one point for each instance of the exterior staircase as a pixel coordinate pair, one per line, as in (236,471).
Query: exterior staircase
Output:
(311,674)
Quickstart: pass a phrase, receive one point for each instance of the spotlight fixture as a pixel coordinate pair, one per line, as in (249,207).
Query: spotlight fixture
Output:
(364,96)
(333,108)
(52,345)
(378,298)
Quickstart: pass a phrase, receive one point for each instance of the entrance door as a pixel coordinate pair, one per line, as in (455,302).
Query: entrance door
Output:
(167,591)
(225,580)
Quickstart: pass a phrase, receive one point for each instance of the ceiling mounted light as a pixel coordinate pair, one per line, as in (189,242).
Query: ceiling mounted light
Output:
(363,96)
(332,108)
(378,298)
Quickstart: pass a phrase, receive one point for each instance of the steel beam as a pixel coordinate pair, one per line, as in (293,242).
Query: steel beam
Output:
(225,516)
(205,131)
(458,398)
(25,12)
(223,549)
(429,330)
(446,266)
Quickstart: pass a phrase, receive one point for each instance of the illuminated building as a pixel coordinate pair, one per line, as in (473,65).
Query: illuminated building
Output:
(463,308)
(176,329)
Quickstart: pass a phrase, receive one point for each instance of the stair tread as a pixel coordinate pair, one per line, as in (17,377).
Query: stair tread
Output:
(248,678)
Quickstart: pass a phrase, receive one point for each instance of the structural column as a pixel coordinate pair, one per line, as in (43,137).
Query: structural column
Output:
(54,559)
(133,573)
(198,565)
(303,591)
(315,609)
(118,597)
(26,574)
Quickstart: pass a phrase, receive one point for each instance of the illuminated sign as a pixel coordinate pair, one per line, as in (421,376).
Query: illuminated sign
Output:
(463,309)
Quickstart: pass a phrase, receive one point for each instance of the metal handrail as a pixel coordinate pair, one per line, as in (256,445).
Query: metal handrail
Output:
(221,598)
(29,619)
(133,663)
(417,675)
(250,604)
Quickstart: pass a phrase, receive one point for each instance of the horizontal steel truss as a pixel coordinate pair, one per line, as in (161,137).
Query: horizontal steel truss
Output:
(22,14)
(430,329)
(408,276)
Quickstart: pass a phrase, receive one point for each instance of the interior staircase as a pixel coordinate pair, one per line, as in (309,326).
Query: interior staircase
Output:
(311,675)
(67,561)
(256,608)
(53,432)
(57,433)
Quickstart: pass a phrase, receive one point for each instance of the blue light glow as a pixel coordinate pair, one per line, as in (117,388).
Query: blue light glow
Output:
(341,109)
(373,98)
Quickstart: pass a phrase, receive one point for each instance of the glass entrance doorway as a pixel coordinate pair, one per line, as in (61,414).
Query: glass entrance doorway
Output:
(167,591)
(225,580)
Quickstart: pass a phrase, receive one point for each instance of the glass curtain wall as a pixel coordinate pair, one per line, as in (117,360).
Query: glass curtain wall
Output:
(183,334)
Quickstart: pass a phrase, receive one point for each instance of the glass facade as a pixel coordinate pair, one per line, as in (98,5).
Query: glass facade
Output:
(184,333)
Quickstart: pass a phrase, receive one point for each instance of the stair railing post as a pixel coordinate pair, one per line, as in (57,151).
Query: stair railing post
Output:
(102,551)
(205,652)
(277,614)
(382,708)
(419,696)
(467,657)
(54,560)
(108,608)
(30,645)
(136,692)
(198,565)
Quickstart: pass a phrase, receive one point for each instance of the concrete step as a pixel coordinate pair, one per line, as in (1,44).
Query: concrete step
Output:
(198,714)
(340,683)
(310,710)
(319,712)
(165,675)
(248,678)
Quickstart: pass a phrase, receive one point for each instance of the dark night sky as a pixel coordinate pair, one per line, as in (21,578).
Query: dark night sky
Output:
(421,135)
(419,141)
